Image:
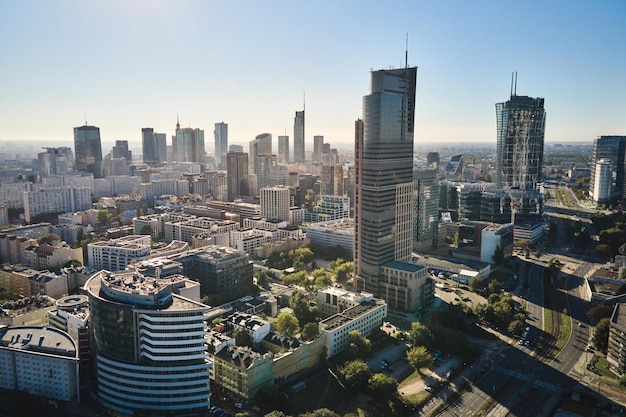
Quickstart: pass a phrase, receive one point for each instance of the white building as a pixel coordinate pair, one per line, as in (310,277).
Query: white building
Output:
(332,233)
(55,200)
(333,300)
(601,190)
(40,360)
(117,254)
(493,237)
(256,327)
(364,317)
(275,202)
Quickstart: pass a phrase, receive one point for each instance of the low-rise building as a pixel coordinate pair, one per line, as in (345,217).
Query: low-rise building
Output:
(616,352)
(364,317)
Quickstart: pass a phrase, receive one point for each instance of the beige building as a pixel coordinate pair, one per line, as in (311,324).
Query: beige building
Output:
(616,352)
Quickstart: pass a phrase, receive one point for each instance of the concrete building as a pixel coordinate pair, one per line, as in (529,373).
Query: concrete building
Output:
(117,254)
(364,317)
(55,161)
(384,177)
(496,237)
(275,202)
(4,215)
(616,352)
(220,134)
(299,155)
(261,145)
(521,125)
(237,175)
(51,256)
(406,287)
(332,179)
(283,149)
(333,300)
(318,145)
(426,203)
(332,233)
(55,200)
(40,360)
(602,182)
(153,357)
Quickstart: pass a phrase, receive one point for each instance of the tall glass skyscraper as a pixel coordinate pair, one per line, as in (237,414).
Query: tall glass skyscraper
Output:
(298,138)
(153,146)
(190,145)
(521,126)
(88,150)
(384,176)
(610,150)
(221,144)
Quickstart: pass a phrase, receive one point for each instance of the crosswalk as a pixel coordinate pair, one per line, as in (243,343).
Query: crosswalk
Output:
(543,385)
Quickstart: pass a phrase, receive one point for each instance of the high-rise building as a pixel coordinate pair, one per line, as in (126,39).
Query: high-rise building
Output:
(120,150)
(432,159)
(283,149)
(611,149)
(275,203)
(153,146)
(318,145)
(426,202)
(190,145)
(88,150)
(298,138)
(263,165)
(150,348)
(237,175)
(221,144)
(332,179)
(384,179)
(55,161)
(261,145)
(521,125)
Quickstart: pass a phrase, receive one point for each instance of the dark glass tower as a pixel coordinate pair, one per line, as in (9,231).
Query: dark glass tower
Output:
(613,150)
(298,138)
(521,126)
(384,175)
(237,174)
(88,150)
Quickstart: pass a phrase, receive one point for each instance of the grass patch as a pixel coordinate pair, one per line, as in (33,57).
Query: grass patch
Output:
(566,323)
(548,325)
(602,367)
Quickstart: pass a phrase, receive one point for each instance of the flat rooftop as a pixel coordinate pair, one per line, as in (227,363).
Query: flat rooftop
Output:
(39,339)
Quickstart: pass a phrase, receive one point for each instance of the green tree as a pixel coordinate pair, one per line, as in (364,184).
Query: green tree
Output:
(309,199)
(301,308)
(476,284)
(516,327)
(601,335)
(343,271)
(103,216)
(358,346)
(262,278)
(216,321)
(420,335)
(242,338)
(382,385)
(419,358)
(321,412)
(356,373)
(310,331)
(79,235)
(275,413)
(287,323)
(600,312)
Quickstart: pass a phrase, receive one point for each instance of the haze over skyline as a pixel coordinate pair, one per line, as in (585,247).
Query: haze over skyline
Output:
(127,65)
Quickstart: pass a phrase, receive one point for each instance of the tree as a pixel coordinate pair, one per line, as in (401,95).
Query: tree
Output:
(287,323)
(516,327)
(309,199)
(358,346)
(242,338)
(604,251)
(321,412)
(301,308)
(599,312)
(276,413)
(382,385)
(309,331)
(262,278)
(103,216)
(79,235)
(498,256)
(476,284)
(356,373)
(420,335)
(601,335)
(419,358)
(48,238)
(343,270)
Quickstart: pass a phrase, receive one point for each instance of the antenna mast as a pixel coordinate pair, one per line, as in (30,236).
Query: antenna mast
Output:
(515,82)
(511,95)
(406,52)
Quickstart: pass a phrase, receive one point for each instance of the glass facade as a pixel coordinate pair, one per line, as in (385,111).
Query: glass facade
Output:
(88,150)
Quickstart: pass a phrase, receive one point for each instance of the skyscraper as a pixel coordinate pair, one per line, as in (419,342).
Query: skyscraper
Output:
(190,145)
(261,145)
(221,144)
(150,348)
(384,177)
(237,174)
(608,150)
(120,150)
(298,138)
(318,145)
(521,125)
(283,149)
(55,161)
(88,150)
(153,146)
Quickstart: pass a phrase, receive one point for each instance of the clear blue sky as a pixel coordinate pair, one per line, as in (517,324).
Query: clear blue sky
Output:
(132,64)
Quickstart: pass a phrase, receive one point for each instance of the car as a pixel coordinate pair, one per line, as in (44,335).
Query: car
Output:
(388,324)
(239,405)
(428,388)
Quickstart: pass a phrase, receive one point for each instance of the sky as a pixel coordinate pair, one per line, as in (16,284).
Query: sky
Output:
(122,65)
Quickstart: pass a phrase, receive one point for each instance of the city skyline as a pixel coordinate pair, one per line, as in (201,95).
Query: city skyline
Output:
(252,66)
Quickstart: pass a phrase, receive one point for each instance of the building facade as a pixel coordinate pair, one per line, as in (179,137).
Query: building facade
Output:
(384,176)
(610,149)
(221,144)
(521,125)
(275,203)
(88,150)
(298,138)
(237,175)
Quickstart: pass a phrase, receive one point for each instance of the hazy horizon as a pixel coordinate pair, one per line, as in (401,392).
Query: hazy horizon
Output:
(124,65)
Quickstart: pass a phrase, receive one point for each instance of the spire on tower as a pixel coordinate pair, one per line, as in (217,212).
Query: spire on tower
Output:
(177,122)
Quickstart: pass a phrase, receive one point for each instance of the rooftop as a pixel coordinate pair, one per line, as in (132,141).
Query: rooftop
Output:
(39,339)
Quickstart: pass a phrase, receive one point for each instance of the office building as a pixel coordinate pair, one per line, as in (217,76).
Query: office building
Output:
(263,165)
(610,149)
(331,181)
(221,144)
(261,145)
(117,254)
(432,159)
(521,126)
(190,145)
(237,175)
(384,176)
(275,203)
(426,203)
(55,161)
(120,150)
(88,150)
(298,138)
(318,145)
(602,181)
(150,347)
(283,149)
(41,361)
(153,146)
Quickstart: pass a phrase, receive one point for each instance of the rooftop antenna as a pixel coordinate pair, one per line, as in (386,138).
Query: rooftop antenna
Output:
(177,122)
(515,91)
(85,118)
(303,100)
(406,52)
(512,84)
